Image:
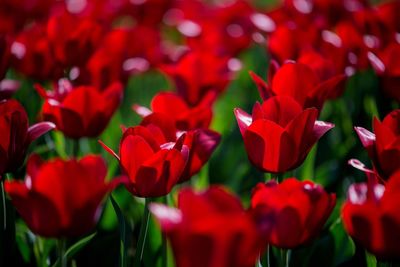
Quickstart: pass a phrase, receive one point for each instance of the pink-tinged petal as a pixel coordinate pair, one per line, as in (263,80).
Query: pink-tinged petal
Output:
(269,146)
(39,129)
(243,119)
(263,88)
(8,88)
(169,218)
(141,110)
(321,127)
(360,166)
(366,137)
(109,150)
(281,109)
(376,63)
(295,80)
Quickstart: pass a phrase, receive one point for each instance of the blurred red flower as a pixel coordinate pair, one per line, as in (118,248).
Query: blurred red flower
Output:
(217,232)
(279,133)
(383,147)
(61,198)
(152,164)
(81,111)
(16,135)
(298,210)
(371,215)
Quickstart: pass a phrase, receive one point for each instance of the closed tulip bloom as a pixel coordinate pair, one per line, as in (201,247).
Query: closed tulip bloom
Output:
(152,164)
(383,146)
(210,229)
(16,135)
(279,134)
(81,111)
(371,216)
(61,198)
(298,210)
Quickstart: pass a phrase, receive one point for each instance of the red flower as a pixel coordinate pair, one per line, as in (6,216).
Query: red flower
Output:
(302,83)
(298,210)
(72,38)
(152,164)
(61,198)
(371,215)
(279,134)
(197,73)
(217,232)
(81,111)
(16,135)
(383,147)
(200,142)
(184,117)
(386,65)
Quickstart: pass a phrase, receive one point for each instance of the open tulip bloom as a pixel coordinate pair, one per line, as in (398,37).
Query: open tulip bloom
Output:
(279,133)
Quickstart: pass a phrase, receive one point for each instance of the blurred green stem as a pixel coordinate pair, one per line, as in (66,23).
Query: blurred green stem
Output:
(164,244)
(285,256)
(143,233)
(267,262)
(279,177)
(62,246)
(267,176)
(75,148)
(4,206)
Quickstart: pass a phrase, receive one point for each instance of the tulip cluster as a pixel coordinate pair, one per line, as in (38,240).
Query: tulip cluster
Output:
(76,67)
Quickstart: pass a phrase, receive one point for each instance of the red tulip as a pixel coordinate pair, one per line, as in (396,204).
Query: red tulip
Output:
(383,147)
(386,65)
(16,135)
(176,108)
(279,134)
(72,38)
(200,142)
(152,164)
(298,210)
(371,215)
(210,229)
(302,83)
(197,73)
(81,111)
(61,198)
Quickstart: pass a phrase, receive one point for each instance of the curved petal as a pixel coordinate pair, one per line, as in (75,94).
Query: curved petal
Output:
(39,129)
(243,119)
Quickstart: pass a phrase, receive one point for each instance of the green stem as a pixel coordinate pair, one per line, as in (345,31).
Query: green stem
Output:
(285,256)
(143,233)
(279,177)
(267,176)
(3,202)
(75,148)
(62,246)
(164,244)
(267,262)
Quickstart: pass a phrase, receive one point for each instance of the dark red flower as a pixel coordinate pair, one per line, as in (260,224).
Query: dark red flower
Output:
(383,147)
(16,135)
(387,66)
(371,215)
(176,108)
(197,73)
(61,198)
(152,164)
(298,210)
(387,13)
(279,134)
(200,142)
(72,38)
(217,232)
(302,83)
(81,111)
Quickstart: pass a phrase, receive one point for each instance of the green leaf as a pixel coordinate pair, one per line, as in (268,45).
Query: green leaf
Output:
(75,248)
(370,259)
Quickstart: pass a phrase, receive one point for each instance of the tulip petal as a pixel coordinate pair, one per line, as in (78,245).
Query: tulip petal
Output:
(243,119)
(109,150)
(366,137)
(168,217)
(263,88)
(39,129)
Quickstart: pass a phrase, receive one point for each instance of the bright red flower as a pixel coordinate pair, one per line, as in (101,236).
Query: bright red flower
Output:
(176,108)
(298,210)
(72,38)
(387,66)
(197,73)
(217,232)
(61,198)
(383,147)
(371,215)
(200,142)
(302,83)
(81,111)
(16,135)
(152,164)
(279,134)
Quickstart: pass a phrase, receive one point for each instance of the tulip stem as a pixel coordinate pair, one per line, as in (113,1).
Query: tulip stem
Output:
(142,234)
(3,201)
(285,256)
(62,246)
(267,255)
(75,148)
(164,244)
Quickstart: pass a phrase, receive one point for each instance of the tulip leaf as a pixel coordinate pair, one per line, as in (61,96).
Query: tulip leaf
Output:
(124,232)
(75,248)
(370,259)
